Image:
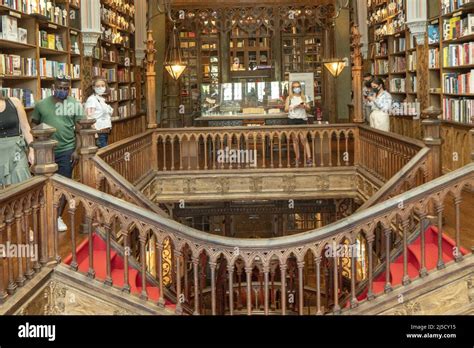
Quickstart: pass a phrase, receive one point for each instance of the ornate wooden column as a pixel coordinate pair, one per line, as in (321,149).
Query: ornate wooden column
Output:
(150,81)
(248,272)
(230,270)
(328,80)
(87,150)
(356,74)
(43,146)
(432,139)
(196,285)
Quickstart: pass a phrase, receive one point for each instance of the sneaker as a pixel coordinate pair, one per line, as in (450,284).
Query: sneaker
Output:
(62,227)
(309,162)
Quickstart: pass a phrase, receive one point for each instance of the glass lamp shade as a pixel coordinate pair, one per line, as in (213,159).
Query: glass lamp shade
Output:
(175,69)
(335,67)
(174,65)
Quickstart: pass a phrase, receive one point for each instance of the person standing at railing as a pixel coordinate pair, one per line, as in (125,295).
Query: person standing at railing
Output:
(63,113)
(15,136)
(381,103)
(296,106)
(97,108)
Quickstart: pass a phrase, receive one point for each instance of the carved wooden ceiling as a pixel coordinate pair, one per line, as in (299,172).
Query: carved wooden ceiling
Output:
(220,3)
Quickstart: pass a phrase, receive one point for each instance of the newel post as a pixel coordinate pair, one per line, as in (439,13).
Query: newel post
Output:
(43,146)
(87,151)
(432,138)
(150,81)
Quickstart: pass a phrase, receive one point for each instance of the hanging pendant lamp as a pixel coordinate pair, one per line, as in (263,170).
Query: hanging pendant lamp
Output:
(174,64)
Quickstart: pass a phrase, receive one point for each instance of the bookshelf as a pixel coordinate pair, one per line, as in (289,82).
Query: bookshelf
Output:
(451,59)
(393,55)
(37,43)
(114,59)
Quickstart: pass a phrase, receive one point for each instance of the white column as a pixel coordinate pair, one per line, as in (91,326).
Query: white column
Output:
(90,25)
(140,30)
(417,16)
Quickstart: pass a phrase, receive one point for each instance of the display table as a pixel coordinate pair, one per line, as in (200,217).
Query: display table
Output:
(235,120)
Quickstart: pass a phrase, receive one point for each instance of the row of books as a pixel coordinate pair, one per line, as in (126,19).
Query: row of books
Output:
(52,68)
(75,70)
(399,44)
(433,58)
(455,83)
(405,109)
(112,17)
(412,61)
(75,93)
(414,85)
(51,41)
(14,65)
(56,14)
(433,33)
(399,64)
(458,26)
(109,74)
(10,30)
(381,48)
(109,55)
(448,6)
(397,85)
(123,6)
(458,54)
(380,67)
(458,110)
(24,94)
(123,75)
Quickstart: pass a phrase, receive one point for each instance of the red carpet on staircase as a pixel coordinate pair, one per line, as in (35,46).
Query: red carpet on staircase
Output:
(116,267)
(414,260)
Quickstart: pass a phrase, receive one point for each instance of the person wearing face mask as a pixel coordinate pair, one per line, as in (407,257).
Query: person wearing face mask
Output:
(297,107)
(97,108)
(61,112)
(381,103)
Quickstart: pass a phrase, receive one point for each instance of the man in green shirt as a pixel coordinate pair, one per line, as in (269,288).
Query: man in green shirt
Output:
(61,112)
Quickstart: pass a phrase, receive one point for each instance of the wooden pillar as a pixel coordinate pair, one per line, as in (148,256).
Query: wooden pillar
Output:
(358,115)
(212,266)
(432,139)
(439,211)
(43,146)
(266,270)
(370,241)
(457,205)
(179,308)
(142,239)
(150,81)
(405,228)
(387,232)
(354,302)
(276,52)
(87,150)
(196,285)
(423,272)
(329,82)
(224,42)
(159,250)
(230,270)
(283,268)
(248,272)
(317,261)
(300,287)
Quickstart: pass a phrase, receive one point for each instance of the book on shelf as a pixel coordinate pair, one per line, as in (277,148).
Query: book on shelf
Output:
(397,85)
(52,68)
(455,83)
(23,35)
(458,27)
(448,6)
(458,54)
(76,93)
(9,28)
(46,92)
(75,70)
(399,64)
(412,61)
(24,94)
(458,110)
(433,34)
(15,65)
(381,67)
(399,45)
(433,58)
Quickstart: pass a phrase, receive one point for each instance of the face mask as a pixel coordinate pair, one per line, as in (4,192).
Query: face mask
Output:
(376,89)
(297,90)
(99,90)
(61,94)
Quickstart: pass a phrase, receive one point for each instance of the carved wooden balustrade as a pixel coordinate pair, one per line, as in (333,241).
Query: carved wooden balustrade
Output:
(258,147)
(23,207)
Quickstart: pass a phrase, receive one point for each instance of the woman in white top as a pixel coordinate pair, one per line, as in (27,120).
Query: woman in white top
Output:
(296,107)
(96,107)
(381,103)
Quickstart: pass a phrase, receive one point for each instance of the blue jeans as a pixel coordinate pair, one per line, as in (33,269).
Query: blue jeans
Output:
(102,140)
(63,160)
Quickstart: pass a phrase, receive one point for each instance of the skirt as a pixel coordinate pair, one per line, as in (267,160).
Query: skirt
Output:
(14,166)
(380,120)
